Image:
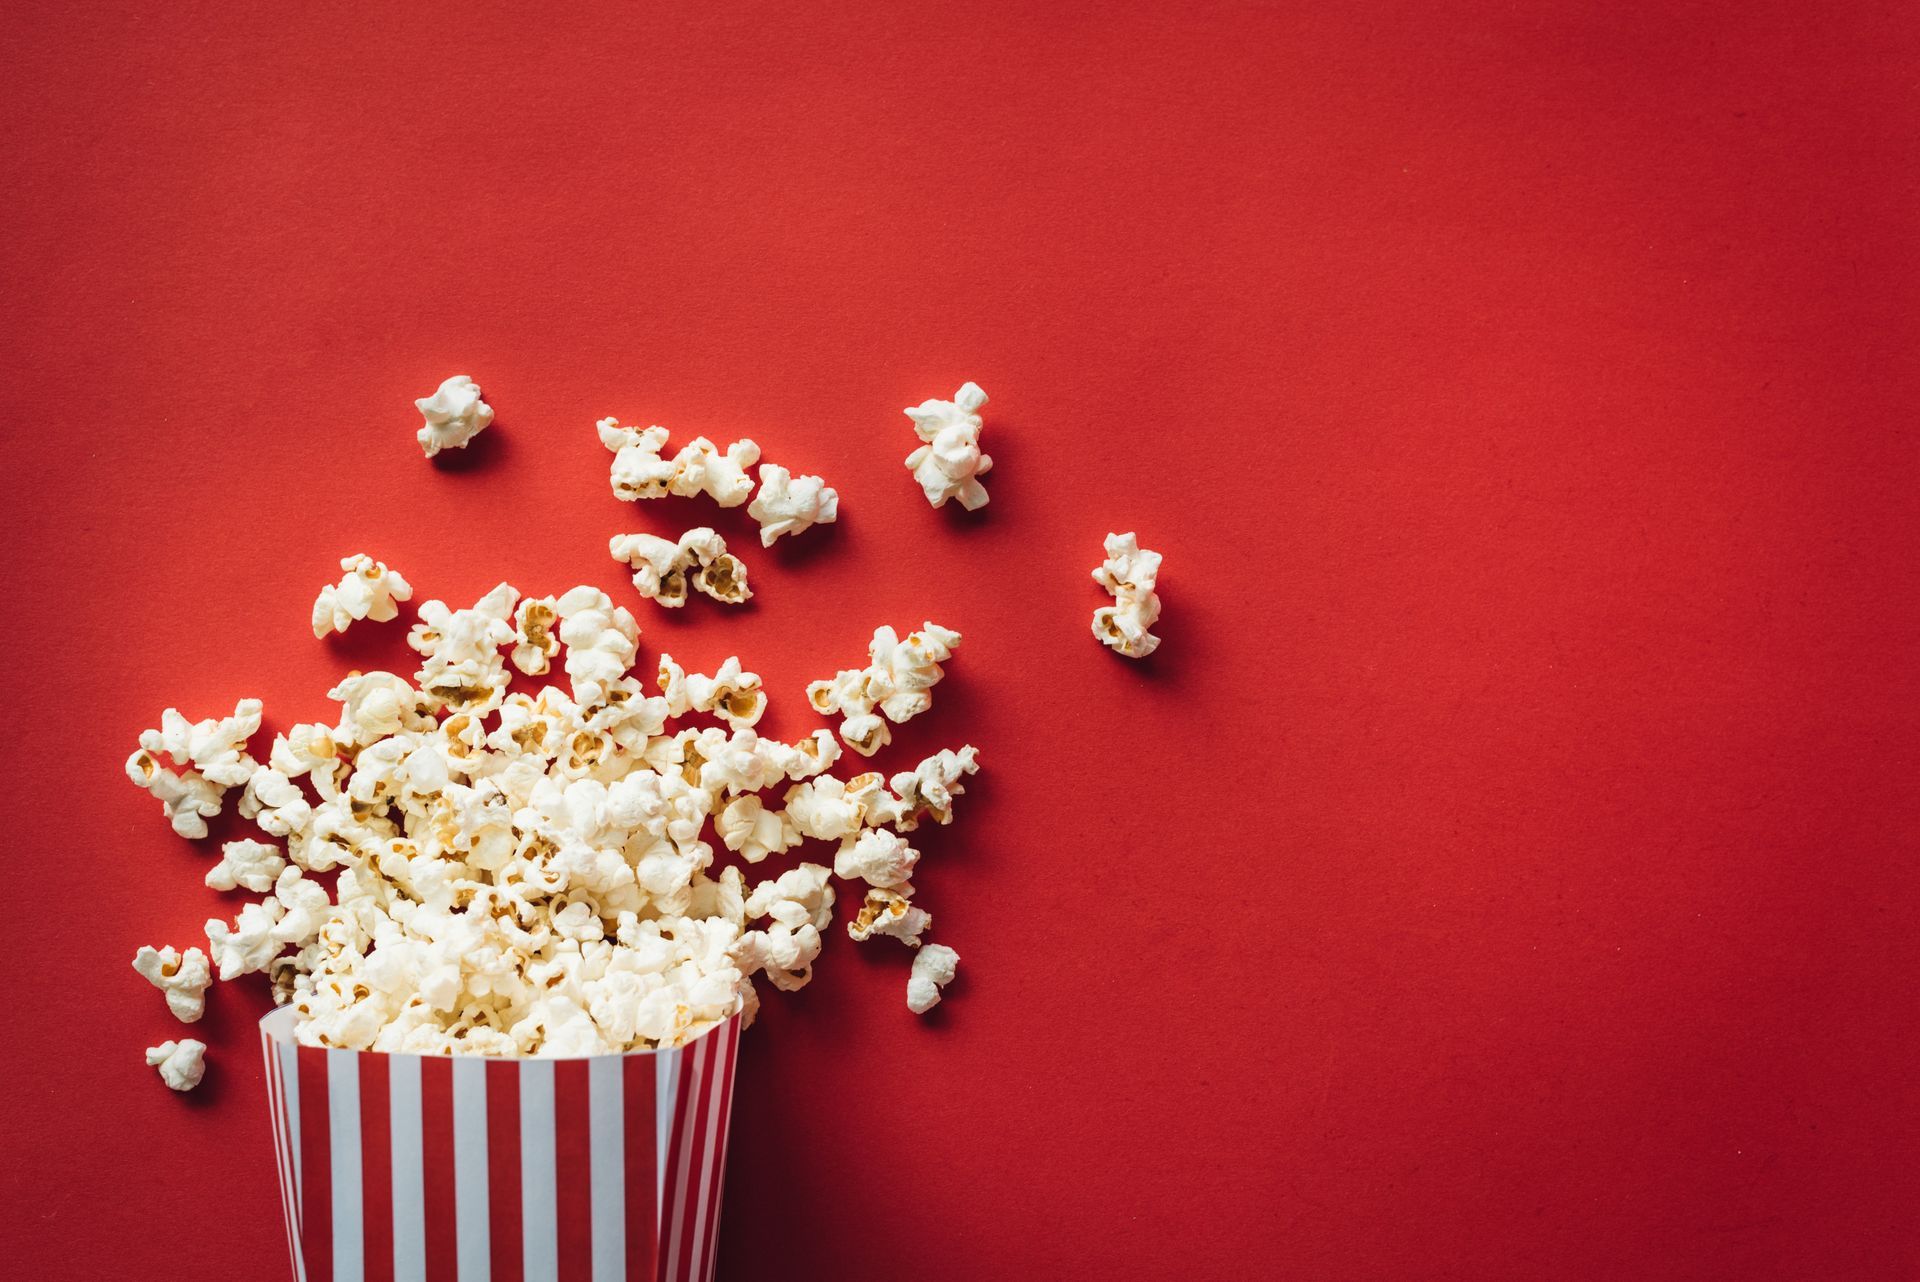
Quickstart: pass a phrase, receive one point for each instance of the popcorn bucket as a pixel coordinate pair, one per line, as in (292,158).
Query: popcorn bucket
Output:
(409,1168)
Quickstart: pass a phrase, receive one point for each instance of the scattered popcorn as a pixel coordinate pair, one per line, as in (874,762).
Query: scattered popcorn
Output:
(463,669)
(182,1064)
(368,590)
(534,639)
(730,694)
(789,504)
(182,977)
(747,826)
(454,415)
(889,911)
(927,791)
(247,945)
(933,968)
(247,865)
(663,571)
(217,748)
(1129,573)
(699,468)
(188,799)
(896,684)
(950,464)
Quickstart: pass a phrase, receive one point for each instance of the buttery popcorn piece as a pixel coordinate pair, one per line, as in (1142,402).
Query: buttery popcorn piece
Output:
(933,969)
(730,694)
(1129,573)
(950,464)
(368,590)
(183,977)
(454,415)
(182,1064)
(890,911)
(877,857)
(789,504)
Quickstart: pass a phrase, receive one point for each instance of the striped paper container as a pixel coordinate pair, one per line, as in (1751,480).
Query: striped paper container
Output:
(408,1168)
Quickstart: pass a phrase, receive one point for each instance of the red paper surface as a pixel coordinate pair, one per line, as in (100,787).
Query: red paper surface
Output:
(1505,869)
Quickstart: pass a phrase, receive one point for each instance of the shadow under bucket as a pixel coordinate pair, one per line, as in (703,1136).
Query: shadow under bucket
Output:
(410,1168)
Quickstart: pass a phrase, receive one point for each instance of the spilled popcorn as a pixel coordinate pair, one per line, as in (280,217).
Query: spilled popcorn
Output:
(454,415)
(950,464)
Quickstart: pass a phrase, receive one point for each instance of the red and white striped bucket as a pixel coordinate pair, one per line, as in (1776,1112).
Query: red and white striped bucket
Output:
(409,1168)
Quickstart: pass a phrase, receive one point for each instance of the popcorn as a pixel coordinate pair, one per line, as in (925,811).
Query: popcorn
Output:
(789,504)
(829,809)
(182,977)
(889,911)
(454,415)
(249,944)
(368,590)
(748,827)
(182,1064)
(463,669)
(1129,573)
(896,684)
(217,748)
(927,791)
(800,905)
(533,633)
(950,464)
(699,468)
(274,802)
(663,571)
(730,694)
(188,798)
(933,968)
(877,857)
(246,865)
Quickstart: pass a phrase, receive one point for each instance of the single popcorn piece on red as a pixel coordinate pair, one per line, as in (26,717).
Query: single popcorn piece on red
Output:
(182,1064)
(890,911)
(454,415)
(247,865)
(950,464)
(183,977)
(933,969)
(789,504)
(1129,573)
(877,857)
(368,590)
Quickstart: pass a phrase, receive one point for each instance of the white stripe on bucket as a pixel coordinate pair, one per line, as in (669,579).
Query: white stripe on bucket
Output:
(343,1148)
(539,1189)
(470,1209)
(409,1183)
(607,1114)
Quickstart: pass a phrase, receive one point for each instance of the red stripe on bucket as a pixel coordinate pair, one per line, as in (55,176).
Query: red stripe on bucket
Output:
(640,1090)
(436,1160)
(503,1170)
(376,1167)
(316,1164)
(573,1169)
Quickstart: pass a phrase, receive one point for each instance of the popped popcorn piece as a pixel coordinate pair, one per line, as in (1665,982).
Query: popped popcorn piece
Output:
(639,472)
(877,857)
(748,827)
(535,642)
(247,945)
(896,684)
(789,504)
(216,747)
(663,571)
(829,809)
(246,865)
(799,904)
(933,969)
(368,590)
(183,977)
(1130,573)
(950,464)
(730,694)
(454,415)
(890,911)
(926,791)
(275,802)
(463,669)
(182,1064)
(188,799)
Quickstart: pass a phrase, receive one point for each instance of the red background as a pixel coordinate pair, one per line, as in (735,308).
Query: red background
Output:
(1506,869)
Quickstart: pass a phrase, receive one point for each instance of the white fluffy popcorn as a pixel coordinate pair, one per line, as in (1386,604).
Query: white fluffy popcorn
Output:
(701,467)
(183,977)
(663,570)
(1129,573)
(454,415)
(896,685)
(533,873)
(949,465)
(789,504)
(182,1064)
(933,969)
(368,590)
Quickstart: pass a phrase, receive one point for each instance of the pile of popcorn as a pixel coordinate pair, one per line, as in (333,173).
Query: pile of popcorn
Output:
(530,871)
